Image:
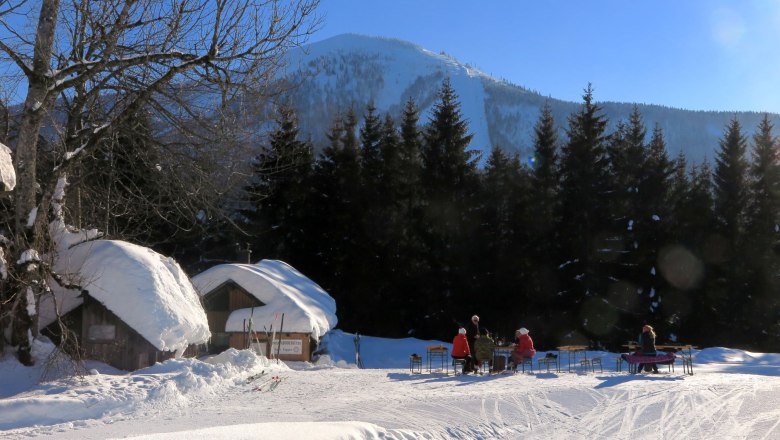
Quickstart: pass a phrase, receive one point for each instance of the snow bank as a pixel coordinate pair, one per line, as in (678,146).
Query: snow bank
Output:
(170,384)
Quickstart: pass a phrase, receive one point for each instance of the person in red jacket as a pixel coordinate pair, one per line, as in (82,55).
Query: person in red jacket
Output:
(461,350)
(524,346)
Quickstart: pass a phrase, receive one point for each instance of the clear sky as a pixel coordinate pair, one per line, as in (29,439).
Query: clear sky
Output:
(691,54)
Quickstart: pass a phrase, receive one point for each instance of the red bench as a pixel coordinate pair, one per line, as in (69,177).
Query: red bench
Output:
(637,361)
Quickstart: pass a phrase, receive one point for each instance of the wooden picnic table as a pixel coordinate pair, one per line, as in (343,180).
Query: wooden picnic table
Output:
(438,358)
(687,357)
(572,351)
(504,351)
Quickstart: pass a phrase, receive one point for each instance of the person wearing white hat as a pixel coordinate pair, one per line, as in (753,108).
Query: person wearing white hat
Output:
(461,350)
(524,346)
(472,331)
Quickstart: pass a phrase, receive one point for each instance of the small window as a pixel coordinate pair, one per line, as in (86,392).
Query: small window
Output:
(101,333)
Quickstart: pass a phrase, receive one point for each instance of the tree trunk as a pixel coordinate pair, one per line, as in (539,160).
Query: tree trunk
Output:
(38,101)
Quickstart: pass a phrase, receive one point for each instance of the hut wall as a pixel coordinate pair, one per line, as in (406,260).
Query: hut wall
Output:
(107,338)
(289,346)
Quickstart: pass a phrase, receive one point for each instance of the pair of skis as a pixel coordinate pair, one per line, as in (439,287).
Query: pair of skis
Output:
(272,338)
(254,377)
(269,384)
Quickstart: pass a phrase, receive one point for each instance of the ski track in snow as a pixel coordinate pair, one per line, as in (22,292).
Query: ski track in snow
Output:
(436,406)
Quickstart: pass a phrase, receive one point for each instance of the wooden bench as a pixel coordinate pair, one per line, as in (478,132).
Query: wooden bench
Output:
(549,361)
(458,365)
(415,363)
(636,362)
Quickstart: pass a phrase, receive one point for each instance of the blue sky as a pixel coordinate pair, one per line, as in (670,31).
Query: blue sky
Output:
(691,54)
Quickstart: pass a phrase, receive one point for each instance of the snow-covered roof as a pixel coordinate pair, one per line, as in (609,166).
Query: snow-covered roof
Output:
(146,290)
(306,306)
(7,173)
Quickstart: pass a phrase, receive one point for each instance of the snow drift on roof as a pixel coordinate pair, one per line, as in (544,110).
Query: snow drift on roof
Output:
(306,306)
(146,290)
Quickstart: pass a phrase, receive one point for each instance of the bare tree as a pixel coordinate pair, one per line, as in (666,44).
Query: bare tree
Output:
(106,61)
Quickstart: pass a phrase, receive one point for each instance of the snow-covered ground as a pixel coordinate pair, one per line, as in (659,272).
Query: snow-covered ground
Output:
(733,394)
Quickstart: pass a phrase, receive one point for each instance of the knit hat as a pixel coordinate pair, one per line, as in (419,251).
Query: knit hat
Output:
(462,331)
(523,331)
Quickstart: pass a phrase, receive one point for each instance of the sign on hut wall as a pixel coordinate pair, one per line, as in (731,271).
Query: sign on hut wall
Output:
(287,346)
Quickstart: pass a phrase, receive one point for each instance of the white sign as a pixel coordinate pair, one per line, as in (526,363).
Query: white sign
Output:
(288,346)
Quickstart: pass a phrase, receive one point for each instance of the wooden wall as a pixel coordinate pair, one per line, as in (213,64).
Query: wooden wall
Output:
(127,350)
(228,297)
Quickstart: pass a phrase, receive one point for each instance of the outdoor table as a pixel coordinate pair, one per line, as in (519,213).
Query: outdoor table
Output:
(506,352)
(687,366)
(571,354)
(681,347)
(437,354)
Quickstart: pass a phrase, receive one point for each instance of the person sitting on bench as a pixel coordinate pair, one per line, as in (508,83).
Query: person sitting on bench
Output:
(461,350)
(647,344)
(524,346)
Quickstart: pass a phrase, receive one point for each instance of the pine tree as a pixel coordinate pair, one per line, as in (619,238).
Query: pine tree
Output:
(731,187)
(337,178)
(584,219)
(373,276)
(371,158)
(623,252)
(763,236)
(726,251)
(277,195)
(500,263)
(541,214)
(414,285)
(449,179)
(653,226)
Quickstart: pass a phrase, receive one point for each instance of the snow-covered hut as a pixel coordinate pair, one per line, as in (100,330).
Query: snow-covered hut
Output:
(270,302)
(136,307)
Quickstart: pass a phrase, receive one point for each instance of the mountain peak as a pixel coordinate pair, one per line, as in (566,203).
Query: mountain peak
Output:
(351,70)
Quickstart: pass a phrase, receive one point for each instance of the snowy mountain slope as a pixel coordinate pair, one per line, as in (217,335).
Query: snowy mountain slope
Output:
(349,71)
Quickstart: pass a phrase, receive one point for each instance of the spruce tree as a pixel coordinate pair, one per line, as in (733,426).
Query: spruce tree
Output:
(500,263)
(763,236)
(623,252)
(279,191)
(337,178)
(373,276)
(371,159)
(725,250)
(654,221)
(541,214)
(449,179)
(585,221)
(730,179)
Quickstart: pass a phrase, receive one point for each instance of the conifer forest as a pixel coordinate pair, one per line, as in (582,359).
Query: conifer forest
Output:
(593,236)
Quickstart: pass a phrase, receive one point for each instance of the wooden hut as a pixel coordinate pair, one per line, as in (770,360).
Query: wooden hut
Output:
(135,308)
(269,307)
